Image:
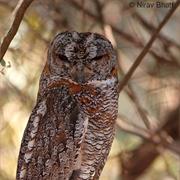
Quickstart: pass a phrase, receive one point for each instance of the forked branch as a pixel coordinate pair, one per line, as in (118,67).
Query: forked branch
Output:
(18,13)
(147,47)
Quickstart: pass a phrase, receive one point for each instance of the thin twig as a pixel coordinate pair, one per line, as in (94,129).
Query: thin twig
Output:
(150,27)
(158,137)
(123,124)
(99,9)
(83,24)
(136,102)
(128,37)
(123,34)
(147,47)
(152,147)
(18,16)
(167,42)
(138,106)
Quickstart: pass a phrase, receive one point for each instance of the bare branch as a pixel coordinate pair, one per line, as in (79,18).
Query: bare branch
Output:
(128,37)
(123,34)
(18,16)
(150,28)
(99,9)
(132,128)
(152,146)
(139,108)
(147,47)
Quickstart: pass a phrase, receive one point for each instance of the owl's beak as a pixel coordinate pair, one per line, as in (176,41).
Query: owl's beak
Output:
(81,73)
(78,75)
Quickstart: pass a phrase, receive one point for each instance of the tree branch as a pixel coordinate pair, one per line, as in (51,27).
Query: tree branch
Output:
(150,28)
(147,47)
(143,156)
(125,35)
(18,16)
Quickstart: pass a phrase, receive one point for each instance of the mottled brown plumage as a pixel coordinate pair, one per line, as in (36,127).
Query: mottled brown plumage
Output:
(71,128)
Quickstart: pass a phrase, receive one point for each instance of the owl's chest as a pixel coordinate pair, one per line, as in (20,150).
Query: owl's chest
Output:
(100,104)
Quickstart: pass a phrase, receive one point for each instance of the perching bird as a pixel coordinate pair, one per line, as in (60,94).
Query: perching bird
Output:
(71,128)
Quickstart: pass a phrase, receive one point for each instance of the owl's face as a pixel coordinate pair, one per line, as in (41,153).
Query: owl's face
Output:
(82,57)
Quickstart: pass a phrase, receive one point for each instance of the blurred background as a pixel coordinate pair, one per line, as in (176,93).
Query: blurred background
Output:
(147,143)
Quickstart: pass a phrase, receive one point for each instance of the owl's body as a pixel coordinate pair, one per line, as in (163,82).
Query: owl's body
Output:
(71,129)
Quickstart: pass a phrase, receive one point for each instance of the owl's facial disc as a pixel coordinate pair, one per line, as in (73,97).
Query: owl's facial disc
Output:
(83,57)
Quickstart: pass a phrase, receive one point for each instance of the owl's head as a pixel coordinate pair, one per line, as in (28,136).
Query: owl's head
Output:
(82,57)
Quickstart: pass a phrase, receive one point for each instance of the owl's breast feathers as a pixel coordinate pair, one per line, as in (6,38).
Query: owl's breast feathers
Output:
(93,97)
(98,100)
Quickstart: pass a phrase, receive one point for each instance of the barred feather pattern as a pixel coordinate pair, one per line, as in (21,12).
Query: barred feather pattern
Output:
(71,128)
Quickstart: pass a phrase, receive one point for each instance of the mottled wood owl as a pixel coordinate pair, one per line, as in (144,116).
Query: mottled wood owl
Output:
(71,128)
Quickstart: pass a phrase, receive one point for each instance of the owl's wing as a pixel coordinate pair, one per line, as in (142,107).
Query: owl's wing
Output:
(52,138)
